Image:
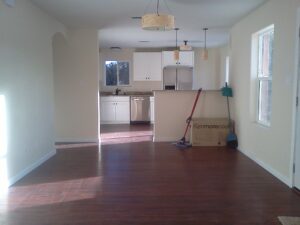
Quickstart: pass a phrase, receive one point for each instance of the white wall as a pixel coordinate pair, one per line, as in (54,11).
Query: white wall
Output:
(76,67)
(271,147)
(172,108)
(26,82)
(208,74)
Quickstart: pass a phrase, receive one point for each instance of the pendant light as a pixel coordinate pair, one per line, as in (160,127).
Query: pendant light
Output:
(185,46)
(157,21)
(205,51)
(176,51)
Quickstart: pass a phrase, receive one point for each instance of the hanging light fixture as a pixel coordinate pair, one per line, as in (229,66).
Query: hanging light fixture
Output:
(157,21)
(185,46)
(176,51)
(205,51)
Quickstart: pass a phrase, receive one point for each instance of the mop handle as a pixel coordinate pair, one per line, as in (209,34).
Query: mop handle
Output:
(188,120)
(229,118)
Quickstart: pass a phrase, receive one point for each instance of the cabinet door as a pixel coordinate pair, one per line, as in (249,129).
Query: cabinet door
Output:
(107,111)
(140,66)
(186,58)
(122,112)
(168,58)
(147,66)
(155,68)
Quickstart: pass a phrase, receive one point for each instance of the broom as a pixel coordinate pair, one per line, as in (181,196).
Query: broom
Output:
(231,139)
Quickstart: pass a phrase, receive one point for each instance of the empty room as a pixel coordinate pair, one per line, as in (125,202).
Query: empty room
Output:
(149,112)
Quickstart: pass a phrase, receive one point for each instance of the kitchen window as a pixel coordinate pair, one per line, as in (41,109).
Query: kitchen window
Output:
(117,73)
(264,40)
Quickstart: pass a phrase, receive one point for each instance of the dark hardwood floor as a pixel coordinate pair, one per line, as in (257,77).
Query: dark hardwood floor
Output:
(145,183)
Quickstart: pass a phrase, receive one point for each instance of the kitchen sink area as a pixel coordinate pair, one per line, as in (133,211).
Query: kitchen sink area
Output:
(126,115)
(126,107)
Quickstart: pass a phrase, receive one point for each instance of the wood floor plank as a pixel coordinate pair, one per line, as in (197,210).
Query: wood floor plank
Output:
(148,183)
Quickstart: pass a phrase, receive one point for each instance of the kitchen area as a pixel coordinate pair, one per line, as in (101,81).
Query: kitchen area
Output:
(130,78)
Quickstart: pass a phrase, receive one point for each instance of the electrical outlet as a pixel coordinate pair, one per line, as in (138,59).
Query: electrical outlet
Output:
(10,3)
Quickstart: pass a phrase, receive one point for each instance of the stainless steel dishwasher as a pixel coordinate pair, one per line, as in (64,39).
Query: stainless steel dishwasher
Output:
(139,109)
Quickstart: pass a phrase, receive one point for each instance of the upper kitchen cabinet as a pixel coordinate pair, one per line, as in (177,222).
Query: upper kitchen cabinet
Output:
(147,66)
(186,58)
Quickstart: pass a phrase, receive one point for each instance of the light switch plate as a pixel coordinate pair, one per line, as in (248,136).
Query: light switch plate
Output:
(10,3)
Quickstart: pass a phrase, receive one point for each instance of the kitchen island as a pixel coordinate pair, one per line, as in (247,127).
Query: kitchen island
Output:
(172,108)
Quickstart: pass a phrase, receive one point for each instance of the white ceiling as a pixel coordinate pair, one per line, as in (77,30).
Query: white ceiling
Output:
(116,28)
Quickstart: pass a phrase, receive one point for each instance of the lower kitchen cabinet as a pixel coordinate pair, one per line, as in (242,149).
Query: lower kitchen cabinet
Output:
(115,110)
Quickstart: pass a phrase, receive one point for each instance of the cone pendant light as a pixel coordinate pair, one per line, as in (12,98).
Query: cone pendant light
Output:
(205,51)
(176,51)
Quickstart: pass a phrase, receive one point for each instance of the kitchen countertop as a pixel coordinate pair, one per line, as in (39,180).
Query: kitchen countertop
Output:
(127,93)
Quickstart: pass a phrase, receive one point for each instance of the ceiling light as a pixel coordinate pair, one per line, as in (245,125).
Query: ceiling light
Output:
(185,46)
(115,48)
(176,51)
(157,21)
(205,51)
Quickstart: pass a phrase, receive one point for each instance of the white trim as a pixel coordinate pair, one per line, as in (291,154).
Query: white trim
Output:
(114,122)
(30,168)
(79,145)
(295,94)
(77,140)
(270,169)
(165,139)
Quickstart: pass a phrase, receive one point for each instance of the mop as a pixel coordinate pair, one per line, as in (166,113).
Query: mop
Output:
(182,143)
(231,139)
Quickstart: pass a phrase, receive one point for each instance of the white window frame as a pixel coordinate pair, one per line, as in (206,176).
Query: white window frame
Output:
(118,85)
(258,76)
(227,69)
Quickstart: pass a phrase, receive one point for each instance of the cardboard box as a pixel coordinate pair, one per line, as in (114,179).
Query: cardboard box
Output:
(209,131)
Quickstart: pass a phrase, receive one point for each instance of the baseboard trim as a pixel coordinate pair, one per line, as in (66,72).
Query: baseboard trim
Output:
(168,139)
(163,139)
(269,168)
(78,140)
(30,168)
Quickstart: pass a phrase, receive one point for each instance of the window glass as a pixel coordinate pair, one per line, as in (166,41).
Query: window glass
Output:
(111,73)
(265,41)
(265,54)
(265,94)
(117,73)
(123,73)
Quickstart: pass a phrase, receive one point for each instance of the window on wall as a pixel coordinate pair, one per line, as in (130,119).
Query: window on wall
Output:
(264,70)
(117,73)
(227,64)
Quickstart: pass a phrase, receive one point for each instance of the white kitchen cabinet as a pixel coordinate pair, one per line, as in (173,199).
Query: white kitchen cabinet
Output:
(122,112)
(186,58)
(147,66)
(115,110)
(108,111)
(152,109)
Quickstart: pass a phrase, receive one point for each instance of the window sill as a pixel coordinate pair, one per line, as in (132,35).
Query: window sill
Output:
(263,125)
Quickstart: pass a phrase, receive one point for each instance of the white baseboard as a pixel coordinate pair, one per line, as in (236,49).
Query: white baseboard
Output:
(269,168)
(77,140)
(30,168)
(165,139)
(114,122)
